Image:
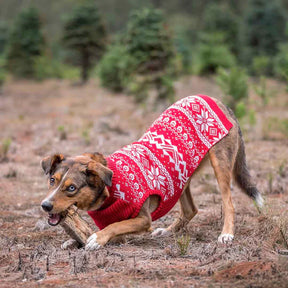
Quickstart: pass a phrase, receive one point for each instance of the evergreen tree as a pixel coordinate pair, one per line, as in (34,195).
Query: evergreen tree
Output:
(263,29)
(85,35)
(3,36)
(212,53)
(148,40)
(220,18)
(25,43)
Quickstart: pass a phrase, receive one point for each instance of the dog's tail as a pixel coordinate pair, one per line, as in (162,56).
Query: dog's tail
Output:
(242,175)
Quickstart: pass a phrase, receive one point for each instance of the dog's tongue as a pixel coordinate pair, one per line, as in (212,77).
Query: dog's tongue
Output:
(54,219)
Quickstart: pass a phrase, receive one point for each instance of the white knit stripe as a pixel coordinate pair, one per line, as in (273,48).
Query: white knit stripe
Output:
(190,147)
(162,167)
(167,148)
(215,116)
(155,160)
(139,164)
(191,119)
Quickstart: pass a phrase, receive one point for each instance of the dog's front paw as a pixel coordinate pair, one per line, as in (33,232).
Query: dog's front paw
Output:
(225,238)
(159,232)
(69,244)
(92,243)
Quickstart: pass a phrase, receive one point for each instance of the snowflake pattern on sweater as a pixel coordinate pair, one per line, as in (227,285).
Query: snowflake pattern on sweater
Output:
(163,159)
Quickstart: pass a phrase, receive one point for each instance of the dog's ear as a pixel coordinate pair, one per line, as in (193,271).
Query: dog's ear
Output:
(49,163)
(98,157)
(100,170)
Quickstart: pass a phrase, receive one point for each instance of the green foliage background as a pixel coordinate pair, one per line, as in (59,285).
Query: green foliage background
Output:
(85,34)
(142,58)
(26,42)
(144,44)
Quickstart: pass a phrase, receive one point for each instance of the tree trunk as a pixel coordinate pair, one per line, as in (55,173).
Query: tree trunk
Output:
(85,66)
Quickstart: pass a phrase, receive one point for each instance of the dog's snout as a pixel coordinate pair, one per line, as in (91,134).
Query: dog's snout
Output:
(47,206)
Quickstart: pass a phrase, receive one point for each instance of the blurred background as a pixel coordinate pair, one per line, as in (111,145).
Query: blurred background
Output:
(135,45)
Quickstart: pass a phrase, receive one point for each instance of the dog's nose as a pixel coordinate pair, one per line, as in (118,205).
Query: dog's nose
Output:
(47,206)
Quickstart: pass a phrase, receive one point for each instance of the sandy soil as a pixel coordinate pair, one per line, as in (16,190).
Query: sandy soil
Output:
(55,116)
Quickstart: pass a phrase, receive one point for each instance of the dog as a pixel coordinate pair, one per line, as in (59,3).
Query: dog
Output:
(127,190)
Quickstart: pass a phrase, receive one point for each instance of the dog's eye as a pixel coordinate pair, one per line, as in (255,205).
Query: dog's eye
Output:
(52,181)
(71,188)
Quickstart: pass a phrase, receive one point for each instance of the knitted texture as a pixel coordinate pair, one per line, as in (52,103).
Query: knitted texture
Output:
(162,160)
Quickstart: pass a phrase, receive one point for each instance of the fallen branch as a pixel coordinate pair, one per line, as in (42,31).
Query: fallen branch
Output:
(75,226)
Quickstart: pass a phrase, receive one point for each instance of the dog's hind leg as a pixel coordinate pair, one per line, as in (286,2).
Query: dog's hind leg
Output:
(222,162)
(229,160)
(187,211)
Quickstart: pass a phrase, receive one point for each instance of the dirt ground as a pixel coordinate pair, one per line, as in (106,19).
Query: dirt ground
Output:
(56,116)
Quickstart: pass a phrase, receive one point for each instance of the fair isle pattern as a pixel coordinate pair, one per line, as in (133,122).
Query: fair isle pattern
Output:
(171,151)
(156,175)
(205,121)
(165,157)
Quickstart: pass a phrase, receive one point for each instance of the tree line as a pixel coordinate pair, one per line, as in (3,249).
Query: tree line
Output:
(242,38)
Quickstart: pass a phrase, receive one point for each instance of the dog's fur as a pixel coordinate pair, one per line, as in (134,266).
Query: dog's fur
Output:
(90,176)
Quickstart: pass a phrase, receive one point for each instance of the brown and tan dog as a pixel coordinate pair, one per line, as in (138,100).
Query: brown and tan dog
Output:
(83,181)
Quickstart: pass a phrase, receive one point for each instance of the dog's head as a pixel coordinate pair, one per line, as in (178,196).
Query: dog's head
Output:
(79,181)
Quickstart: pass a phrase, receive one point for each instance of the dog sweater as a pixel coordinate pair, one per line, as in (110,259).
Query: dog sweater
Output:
(162,160)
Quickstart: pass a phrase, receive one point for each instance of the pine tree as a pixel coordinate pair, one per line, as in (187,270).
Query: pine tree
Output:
(25,43)
(3,36)
(85,35)
(220,18)
(263,29)
(149,40)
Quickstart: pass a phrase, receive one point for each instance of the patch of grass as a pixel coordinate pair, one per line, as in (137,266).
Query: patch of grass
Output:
(283,223)
(183,244)
(252,117)
(86,136)
(281,169)
(4,148)
(70,72)
(275,128)
(261,65)
(21,117)
(211,53)
(233,83)
(278,219)
(12,173)
(62,132)
(270,182)
(262,91)
(240,110)
(47,68)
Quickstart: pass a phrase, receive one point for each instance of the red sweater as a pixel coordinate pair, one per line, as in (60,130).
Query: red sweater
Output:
(162,160)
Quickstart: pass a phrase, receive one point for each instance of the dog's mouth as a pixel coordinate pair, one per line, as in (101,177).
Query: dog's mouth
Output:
(55,219)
